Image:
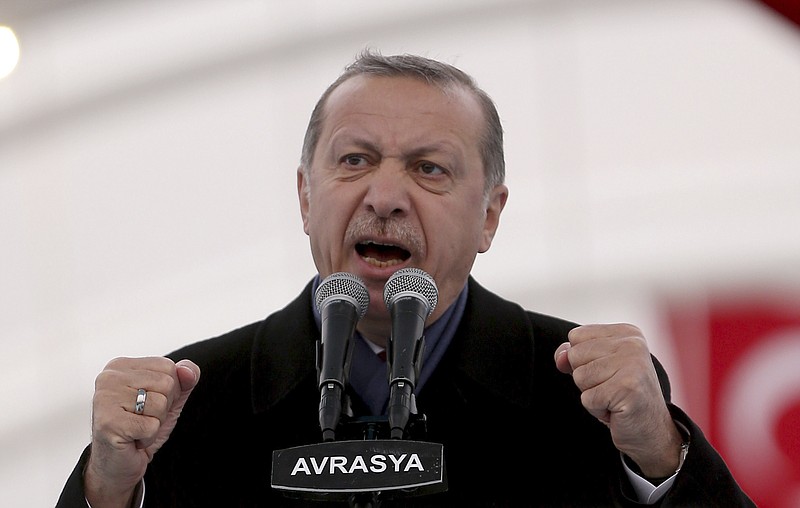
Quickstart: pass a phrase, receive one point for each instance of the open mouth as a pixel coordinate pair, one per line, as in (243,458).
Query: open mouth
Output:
(382,255)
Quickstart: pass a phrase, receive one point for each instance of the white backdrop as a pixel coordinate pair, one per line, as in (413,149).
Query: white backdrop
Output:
(148,153)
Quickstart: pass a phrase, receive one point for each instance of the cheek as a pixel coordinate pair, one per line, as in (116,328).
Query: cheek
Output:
(456,240)
(327,220)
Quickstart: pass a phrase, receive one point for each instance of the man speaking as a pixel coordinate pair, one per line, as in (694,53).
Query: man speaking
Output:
(402,167)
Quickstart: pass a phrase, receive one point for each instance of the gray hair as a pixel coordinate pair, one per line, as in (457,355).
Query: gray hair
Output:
(433,72)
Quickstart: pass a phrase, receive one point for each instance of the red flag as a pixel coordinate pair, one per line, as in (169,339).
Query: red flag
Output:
(740,369)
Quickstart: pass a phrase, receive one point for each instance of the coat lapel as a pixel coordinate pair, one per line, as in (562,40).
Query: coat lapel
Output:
(284,352)
(493,348)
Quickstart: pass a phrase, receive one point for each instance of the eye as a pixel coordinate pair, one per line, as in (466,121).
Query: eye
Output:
(431,169)
(354,159)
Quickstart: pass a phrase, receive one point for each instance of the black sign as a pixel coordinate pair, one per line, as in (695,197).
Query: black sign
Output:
(359,466)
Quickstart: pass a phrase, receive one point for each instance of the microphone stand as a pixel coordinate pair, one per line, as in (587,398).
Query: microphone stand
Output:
(371,442)
(398,436)
(367,499)
(374,428)
(410,295)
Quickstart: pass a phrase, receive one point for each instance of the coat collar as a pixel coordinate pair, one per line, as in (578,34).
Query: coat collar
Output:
(493,348)
(284,352)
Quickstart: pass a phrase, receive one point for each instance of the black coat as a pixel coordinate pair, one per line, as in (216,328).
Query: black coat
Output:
(513,429)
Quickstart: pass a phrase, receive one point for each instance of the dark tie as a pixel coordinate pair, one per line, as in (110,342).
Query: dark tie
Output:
(382,355)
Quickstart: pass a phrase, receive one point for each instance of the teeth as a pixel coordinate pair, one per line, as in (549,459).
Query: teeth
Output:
(382,264)
(378,254)
(368,242)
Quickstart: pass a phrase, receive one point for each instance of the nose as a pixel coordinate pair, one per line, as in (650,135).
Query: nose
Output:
(387,193)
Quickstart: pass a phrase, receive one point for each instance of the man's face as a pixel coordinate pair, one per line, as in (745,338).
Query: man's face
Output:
(397,181)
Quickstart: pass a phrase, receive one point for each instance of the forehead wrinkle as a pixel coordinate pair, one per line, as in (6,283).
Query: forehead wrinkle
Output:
(360,142)
(444,147)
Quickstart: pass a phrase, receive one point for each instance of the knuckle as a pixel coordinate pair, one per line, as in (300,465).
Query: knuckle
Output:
(101,379)
(630,330)
(578,332)
(158,403)
(579,376)
(589,399)
(636,345)
(583,376)
(144,427)
(116,363)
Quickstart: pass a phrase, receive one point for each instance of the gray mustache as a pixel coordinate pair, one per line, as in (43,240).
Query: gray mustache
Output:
(370,225)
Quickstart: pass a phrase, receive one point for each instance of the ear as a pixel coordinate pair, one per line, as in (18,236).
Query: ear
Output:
(303,190)
(494,207)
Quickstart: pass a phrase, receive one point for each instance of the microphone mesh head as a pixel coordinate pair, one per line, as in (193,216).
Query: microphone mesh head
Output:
(412,282)
(343,286)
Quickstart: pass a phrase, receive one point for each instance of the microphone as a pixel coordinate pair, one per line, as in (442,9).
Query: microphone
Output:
(410,295)
(341,299)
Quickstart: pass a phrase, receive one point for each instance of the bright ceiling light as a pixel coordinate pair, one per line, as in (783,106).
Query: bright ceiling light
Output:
(9,51)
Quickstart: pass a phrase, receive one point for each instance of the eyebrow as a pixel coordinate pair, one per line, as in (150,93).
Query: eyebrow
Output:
(436,147)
